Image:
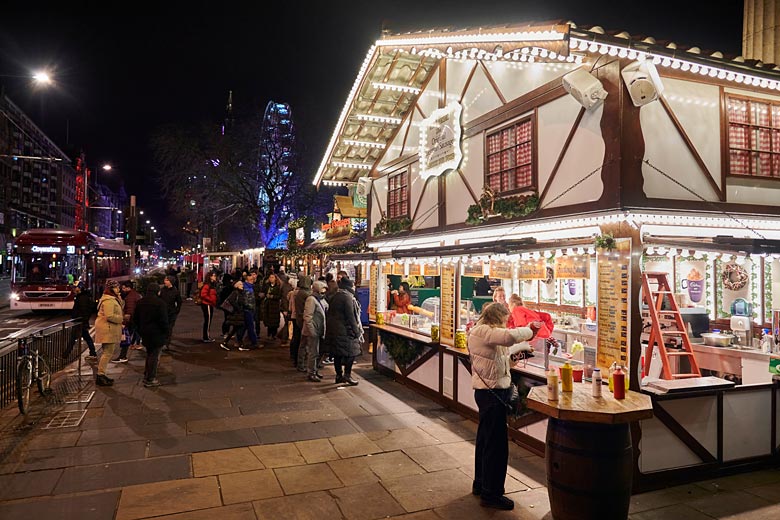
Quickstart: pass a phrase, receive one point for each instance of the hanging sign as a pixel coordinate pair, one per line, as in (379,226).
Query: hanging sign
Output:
(614,305)
(431,270)
(447,322)
(501,270)
(440,147)
(572,267)
(415,269)
(532,269)
(398,268)
(373,294)
(387,268)
(473,269)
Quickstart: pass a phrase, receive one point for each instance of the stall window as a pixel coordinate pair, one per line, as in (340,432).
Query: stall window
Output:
(398,195)
(509,165)
(754,137)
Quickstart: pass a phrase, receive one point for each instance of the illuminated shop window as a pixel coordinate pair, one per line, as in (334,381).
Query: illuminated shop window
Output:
(754,137)
(509,164)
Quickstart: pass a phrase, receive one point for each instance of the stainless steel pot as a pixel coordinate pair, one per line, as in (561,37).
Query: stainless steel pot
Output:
(715,339)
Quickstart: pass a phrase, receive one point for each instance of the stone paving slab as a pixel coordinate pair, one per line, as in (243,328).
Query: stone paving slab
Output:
(249,485)
(304,431)
(206,442)
(317,450)
(120,474)
(219,462)
(309,506)
(82,455)
(429,490)
(354,501)
(308,478)
(233,512)
(95,506)
(278,455)
(30,484)
(174,496)
(354,445)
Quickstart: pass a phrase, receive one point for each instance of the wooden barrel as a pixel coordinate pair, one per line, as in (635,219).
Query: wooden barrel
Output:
(589,470)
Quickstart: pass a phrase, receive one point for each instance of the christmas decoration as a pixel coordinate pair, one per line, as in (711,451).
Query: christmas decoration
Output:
(734,277)
(511,207)
(390,226)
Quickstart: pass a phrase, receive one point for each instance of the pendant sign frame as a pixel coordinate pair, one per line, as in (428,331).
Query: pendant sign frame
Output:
(440,141)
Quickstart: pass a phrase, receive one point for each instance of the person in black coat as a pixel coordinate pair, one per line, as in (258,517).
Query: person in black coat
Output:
(235,319)
(227,289)
(344,332)
(170,295)
(83,308)
(151,319)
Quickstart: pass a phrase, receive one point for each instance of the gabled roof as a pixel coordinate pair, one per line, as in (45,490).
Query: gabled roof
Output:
(398,67)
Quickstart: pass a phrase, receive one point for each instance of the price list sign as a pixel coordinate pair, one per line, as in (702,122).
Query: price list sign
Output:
(373,293)
(614,270)
(448,288)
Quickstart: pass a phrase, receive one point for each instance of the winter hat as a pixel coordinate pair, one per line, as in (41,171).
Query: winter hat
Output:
(152,288)
(239,285)
(346,283)
(318,287)
(110,285)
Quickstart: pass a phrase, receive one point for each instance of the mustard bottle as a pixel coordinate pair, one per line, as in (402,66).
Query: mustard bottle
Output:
(566,378)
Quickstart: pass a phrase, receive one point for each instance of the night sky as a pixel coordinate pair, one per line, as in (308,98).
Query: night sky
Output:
(122,72)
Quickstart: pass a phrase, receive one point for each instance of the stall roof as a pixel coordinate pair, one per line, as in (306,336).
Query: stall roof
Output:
(397,68)
(348,210)
(343,241)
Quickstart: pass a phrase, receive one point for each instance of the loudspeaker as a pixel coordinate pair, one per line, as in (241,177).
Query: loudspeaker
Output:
(364,187)
(585,88)
(642,81)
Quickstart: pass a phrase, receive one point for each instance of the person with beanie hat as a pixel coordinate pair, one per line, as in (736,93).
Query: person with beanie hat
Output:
(301,294)
(151,319)
(108,328)
(314,328)
(344,333)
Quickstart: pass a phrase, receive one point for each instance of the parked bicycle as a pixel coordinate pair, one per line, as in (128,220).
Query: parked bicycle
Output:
(32,368)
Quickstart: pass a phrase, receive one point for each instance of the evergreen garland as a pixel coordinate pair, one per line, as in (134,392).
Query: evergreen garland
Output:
(510,207)
(402,350)
(390,226)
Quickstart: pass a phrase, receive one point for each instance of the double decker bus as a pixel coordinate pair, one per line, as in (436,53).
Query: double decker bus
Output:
(48,262)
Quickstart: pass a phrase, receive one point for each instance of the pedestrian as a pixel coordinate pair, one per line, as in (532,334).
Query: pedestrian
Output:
(131,298)
(488,344)
(83,308)
(344,334)
(314,327)
(170,295)
(224,292)
(249,312)
(189,275)
(333,286)
(301,294)
(208,301)
(108,328)
(272,304)
(151,319)
(285,306)
(234,318)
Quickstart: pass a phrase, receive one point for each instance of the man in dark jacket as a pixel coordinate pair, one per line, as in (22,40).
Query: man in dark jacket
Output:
(83,308)
(151,319)
(344,332)
(170,295)
(130,297)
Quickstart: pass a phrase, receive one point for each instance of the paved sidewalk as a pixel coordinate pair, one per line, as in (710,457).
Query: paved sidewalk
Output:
(242,435)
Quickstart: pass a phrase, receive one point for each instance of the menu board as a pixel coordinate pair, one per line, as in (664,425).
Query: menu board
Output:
(415,270)
(398,268)
(614,306)
(532,269)
(448,293)
(501,269)
(373,293)
(572,267)
(431,270)
(473,269)
(387,268)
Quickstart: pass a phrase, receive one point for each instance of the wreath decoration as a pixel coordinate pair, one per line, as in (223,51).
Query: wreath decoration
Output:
(550,276)
(734,277)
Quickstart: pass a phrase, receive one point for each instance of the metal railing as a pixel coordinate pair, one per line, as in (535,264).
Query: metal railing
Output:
(59,344)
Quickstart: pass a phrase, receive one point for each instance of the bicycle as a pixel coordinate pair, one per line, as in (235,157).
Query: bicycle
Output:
(32,367)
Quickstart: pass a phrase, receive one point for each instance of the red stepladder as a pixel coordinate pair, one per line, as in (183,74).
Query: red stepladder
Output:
(658,337)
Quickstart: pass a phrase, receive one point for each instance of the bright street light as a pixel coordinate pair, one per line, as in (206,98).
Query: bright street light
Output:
(148,222)
(42,77)
(107,167)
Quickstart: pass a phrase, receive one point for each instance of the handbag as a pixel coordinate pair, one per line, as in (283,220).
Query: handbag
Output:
(125,341)
(513,405)
(227,306)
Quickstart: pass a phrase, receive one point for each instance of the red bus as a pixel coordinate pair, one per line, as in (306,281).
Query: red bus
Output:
(47,262)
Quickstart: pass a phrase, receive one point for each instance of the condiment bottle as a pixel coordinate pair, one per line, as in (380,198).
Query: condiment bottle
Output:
(566,378)
(619,384)
(552,386)
(611,371)
(596,381)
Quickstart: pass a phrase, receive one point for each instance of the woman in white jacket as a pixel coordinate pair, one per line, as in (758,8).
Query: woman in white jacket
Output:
(491,345)
(315,311)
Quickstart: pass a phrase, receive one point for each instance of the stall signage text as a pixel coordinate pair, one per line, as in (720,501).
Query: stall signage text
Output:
(373,295)
(532,269)
(572,268)
(431,270)
(440,148)
(614,306)
(473,269)
(501,270)
(415,269)
(448,287)
(398,268)
(387,268)
(345,222)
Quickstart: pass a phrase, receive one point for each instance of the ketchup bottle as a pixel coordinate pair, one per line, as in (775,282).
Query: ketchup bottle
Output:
(619,384)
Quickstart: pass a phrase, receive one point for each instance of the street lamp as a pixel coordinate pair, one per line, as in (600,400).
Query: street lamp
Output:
(42,77)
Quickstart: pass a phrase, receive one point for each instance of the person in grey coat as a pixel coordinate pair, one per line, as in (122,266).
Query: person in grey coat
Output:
(315,310)
(344,334)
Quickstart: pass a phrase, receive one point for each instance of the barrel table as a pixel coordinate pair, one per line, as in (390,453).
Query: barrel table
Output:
(588,451)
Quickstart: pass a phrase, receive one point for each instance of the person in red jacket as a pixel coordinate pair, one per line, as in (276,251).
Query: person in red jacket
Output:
(208,300)
(521,316)
(402,298)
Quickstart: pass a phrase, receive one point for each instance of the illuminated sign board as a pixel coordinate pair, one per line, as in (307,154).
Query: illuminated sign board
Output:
(440,148)
(46,249)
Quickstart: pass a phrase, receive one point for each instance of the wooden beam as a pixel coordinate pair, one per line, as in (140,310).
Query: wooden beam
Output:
(680,130)
(419,201)
(468,186)
(490,79)
(468,82)
(681,433)
(425,356)
(561,155)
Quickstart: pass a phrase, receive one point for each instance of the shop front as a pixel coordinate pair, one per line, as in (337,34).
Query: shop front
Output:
(520,160)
